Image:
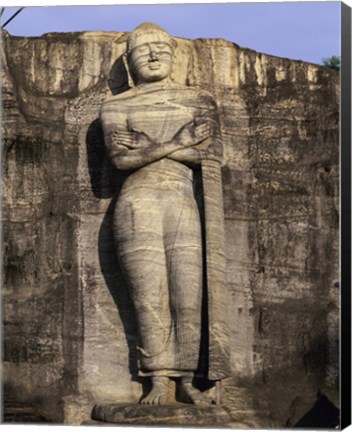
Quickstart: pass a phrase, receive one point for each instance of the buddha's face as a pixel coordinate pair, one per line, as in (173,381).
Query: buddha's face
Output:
(151,58)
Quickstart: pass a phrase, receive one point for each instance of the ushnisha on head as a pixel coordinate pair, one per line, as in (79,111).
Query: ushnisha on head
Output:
(150,53)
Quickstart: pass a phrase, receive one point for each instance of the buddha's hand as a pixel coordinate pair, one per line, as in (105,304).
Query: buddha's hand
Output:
(131,139)
(194,132)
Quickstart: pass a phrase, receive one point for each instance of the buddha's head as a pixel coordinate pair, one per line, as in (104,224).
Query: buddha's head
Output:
(150,52)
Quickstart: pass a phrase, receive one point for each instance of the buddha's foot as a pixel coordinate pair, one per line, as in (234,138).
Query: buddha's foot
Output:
(194,394)
(158,393)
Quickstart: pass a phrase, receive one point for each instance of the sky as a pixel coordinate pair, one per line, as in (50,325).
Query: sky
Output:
(308,31)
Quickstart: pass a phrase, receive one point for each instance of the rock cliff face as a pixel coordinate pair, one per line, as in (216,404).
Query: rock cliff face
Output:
(69,338)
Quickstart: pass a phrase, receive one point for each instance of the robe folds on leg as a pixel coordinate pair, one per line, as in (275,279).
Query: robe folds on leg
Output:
(158,233)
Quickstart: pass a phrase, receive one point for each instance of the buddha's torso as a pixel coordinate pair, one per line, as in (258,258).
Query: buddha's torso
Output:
(158,112)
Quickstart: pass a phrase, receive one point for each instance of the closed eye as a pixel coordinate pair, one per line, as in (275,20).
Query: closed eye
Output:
(141,49)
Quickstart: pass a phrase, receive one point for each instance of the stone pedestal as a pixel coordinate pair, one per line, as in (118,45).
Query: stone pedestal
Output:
(176,414)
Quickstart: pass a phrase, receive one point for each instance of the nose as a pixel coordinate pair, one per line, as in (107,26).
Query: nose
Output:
(152,53)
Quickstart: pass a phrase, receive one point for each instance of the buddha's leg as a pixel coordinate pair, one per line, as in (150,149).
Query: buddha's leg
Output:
(139,237)
(184,261)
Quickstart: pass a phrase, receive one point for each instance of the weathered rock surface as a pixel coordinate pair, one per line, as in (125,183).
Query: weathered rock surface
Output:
(69,335)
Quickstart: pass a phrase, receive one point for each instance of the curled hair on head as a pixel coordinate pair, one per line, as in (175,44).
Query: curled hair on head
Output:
(148,28)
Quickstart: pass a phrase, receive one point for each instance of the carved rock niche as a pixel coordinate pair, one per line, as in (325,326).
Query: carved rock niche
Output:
(71,338)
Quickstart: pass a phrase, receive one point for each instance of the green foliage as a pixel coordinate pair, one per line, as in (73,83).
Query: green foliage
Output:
(333,62)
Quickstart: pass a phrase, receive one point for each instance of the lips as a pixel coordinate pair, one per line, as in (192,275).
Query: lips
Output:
(154,65)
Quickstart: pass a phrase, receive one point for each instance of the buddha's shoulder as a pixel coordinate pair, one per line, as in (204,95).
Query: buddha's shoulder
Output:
(192,91)
(121,97)
(195,96)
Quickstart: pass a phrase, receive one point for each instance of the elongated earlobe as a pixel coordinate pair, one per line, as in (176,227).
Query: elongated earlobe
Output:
(131,82)
(172,72)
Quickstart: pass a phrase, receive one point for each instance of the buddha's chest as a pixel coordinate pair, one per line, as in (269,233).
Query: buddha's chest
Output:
(159,117)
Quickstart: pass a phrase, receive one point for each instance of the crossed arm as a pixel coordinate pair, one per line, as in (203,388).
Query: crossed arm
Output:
(133,149)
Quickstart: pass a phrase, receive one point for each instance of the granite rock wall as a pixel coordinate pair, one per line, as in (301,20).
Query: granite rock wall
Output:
(69,332)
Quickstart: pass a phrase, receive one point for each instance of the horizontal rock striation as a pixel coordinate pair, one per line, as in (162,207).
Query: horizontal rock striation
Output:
(69,331)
